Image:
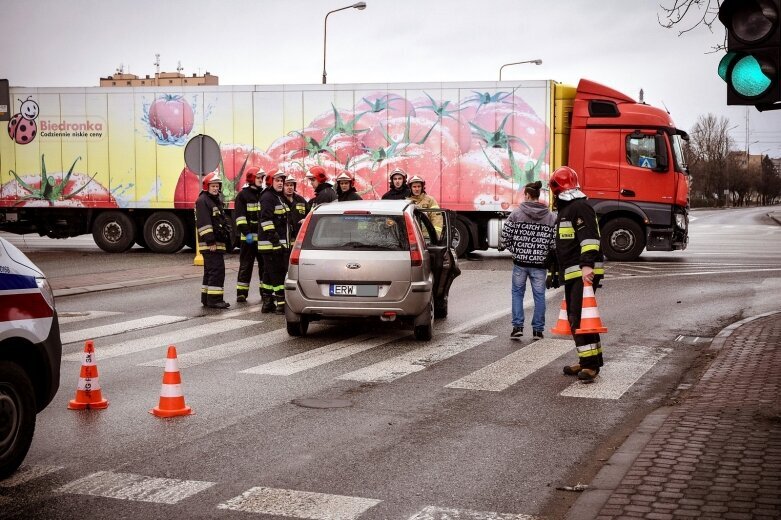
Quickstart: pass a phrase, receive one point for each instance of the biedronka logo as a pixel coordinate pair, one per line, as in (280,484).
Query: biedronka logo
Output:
(23,127)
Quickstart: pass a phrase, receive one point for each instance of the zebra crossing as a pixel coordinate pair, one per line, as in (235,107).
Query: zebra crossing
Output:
(290,503)
(405,356)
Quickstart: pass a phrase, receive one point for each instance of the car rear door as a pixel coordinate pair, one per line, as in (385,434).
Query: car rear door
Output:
(435,225)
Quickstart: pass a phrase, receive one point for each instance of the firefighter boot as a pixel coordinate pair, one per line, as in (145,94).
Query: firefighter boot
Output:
(571,370)
(587,375)
(215,301)
(279,304)
(268,303)
(203,298)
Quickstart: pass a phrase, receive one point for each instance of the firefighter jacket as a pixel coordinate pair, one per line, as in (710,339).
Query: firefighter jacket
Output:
(274,222)
(351,194)
(247,210)
(297,207)
(212,222)
(528,233)
(577,240)
(397,194)
(324,194)
(427,201)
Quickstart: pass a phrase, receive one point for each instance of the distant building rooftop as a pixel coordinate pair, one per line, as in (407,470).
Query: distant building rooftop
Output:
(160,79)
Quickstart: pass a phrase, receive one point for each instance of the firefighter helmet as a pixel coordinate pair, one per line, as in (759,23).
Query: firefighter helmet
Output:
(252,174)
(279,173)
(398,171)
(290,179)
(211,178)
(416,178)
(563,179)
(344,176)
(317,173)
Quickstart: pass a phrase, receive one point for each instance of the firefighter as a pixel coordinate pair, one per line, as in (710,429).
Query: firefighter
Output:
(579,260)
(247,209)
(397,189)
(214,233)
(273,244)
(345,188)
(324,193)
(421,199)
(296,204)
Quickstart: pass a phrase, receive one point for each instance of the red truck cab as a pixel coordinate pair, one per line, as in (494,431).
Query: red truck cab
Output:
(630,163)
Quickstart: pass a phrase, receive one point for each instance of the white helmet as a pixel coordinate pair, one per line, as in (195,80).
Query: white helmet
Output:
(344,176)
(416,178)
(398,171)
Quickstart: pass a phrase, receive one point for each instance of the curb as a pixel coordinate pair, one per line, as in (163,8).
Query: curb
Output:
(608,479)
(71,291)
(774,217)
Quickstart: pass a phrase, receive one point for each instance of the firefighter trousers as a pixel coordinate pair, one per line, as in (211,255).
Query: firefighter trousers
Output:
(588,346)
(274,270)
(248,255)
(213,277)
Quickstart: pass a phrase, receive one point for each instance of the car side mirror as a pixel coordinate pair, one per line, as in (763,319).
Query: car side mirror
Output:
(661,153)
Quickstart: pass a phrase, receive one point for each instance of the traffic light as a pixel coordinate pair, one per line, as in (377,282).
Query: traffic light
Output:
(752,64)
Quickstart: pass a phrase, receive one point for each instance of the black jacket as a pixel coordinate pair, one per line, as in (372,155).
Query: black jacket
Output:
(324,194)
(397,194)
(577,240)
(274,223)
(350,194)
(297,213)
(247,209)
(211,222)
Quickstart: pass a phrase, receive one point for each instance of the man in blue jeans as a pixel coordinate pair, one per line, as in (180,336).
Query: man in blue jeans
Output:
(528,234)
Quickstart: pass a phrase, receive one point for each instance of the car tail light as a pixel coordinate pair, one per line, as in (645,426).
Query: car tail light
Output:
(295,254)
(415,255)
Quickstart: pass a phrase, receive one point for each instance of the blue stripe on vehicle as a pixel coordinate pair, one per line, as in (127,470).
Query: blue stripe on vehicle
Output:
(16,281)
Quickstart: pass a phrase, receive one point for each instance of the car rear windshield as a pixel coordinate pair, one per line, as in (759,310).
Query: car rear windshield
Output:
(357,232)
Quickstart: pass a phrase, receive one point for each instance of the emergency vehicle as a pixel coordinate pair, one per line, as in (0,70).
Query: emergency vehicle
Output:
(109,160)
(30,353)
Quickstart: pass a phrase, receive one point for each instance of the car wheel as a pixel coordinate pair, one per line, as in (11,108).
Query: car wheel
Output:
(17,417)
(425,331)
(114,232)
(459,239)
(622,239)
(440,308)
(164,232)
(298,328)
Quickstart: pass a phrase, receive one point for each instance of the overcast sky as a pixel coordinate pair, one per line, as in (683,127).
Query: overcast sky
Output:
(57,43)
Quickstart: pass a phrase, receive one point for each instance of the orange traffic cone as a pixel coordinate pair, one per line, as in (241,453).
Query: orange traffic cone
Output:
(590,323)
(562,327)
(88,394)
(171,397)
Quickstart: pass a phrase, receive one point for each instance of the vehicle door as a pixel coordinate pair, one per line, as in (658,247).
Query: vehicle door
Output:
(435,228)
(644,174)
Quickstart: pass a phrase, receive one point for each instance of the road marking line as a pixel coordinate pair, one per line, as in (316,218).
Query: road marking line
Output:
(163,340)
(127,486)
(299,504)
(444,513)
(236,312)
(75,316)
(28,473)
(481,320)
(408,363)
(327,354)
(119,328)
(225,350)
(516,366)
(618,375)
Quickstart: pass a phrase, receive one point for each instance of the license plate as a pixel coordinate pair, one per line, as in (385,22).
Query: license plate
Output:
(338,289)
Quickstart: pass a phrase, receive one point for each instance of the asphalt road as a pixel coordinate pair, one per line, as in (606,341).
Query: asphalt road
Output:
(470,425)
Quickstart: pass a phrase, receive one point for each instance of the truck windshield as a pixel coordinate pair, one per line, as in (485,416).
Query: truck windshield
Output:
(680,161)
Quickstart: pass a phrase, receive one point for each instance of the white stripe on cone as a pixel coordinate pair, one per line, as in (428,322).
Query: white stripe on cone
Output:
(91,381)
(171,391)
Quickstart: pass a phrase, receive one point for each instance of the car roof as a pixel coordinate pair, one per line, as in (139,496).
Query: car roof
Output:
(373,206)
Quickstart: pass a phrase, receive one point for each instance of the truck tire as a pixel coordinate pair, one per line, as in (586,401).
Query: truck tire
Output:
(17,416)
(164,232)
(459,237)
(622,239)
(114,232)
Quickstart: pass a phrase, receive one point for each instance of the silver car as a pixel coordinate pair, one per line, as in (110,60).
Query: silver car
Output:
(384,259)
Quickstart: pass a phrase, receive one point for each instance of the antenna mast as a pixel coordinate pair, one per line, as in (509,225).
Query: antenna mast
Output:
(157,63)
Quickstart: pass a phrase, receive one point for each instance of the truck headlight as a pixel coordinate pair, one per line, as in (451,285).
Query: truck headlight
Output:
(680,220)
(46,291)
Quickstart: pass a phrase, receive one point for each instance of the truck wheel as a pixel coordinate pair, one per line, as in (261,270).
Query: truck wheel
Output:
(622,239)
(164,232)
(114,232)
(459,237)
(17,416)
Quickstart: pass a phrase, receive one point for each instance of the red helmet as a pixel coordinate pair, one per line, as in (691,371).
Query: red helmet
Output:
(318,172)
(252,174)
(563,179)
(210,179)
(269,180)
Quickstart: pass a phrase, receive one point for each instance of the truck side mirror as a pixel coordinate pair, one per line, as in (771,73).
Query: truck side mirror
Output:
(661,153)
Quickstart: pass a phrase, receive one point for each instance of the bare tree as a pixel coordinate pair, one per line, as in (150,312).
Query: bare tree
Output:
(687,15)
(709,154)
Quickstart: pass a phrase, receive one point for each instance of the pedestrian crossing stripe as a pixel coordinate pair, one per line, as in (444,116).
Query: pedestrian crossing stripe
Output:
(119,328)
(443,513)
(128,486)
(436,350)
(299,504)
(65,317)
(27,473)
(164,339)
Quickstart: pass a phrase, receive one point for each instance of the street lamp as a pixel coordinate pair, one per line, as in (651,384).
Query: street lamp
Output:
(359,5)
(536,62)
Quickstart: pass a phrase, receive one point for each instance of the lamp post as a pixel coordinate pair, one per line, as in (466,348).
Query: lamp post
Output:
(536,62)
(359,5)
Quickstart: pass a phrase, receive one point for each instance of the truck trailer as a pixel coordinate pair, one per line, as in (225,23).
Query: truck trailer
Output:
(109,160)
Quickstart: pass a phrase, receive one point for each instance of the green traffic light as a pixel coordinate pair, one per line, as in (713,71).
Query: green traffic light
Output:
(747,77)
(724,65)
